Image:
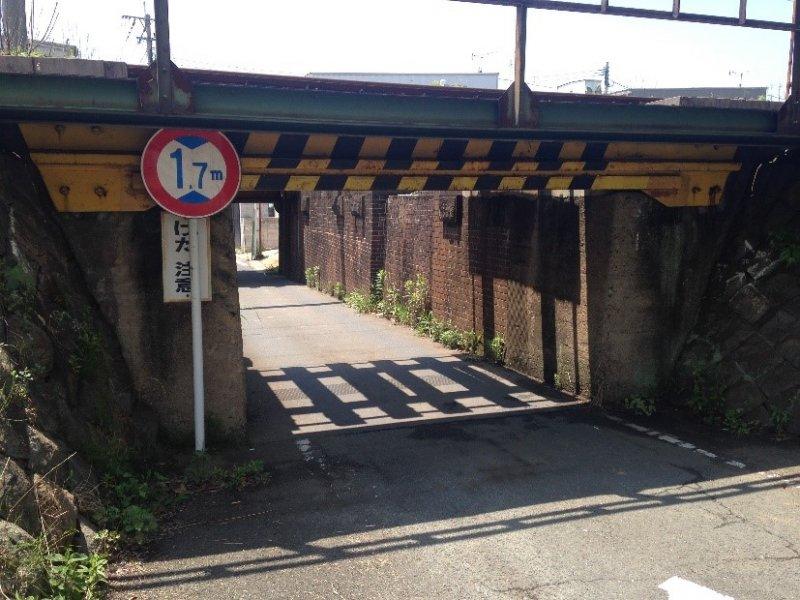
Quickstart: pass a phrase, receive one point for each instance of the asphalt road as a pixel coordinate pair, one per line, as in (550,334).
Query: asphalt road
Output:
(558,502)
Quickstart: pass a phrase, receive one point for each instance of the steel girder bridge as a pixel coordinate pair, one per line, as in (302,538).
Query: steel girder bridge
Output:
(86,130)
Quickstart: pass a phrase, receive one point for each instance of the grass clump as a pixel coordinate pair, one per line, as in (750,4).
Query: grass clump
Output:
(32,569)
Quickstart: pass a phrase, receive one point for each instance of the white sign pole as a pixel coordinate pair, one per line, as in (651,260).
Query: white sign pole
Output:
(197,337)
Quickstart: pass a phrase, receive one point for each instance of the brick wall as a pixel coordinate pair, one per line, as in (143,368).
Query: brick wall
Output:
(342,233)
(593,294)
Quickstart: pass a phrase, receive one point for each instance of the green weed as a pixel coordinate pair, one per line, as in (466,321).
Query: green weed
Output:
(787,245)
(734,422)
(360,302)
(338,291)
(640,405)
(312,277)
(31,570)
(497,349)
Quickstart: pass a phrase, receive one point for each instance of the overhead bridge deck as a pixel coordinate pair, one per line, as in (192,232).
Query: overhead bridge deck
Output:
(86,134)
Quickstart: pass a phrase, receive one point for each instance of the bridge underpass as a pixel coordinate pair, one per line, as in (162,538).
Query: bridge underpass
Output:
(85,132)
(474,509)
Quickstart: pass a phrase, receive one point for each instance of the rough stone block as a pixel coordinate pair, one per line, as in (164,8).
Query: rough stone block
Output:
(756,357)
(778,327)
(789,349)
(750,303)
(19,501)
(57,509)
(781,288)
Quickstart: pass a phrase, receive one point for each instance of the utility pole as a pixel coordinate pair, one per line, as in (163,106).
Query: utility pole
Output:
(147,30)
(15,28)
(606,77)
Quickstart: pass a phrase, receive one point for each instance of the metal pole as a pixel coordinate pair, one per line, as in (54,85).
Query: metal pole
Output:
(197,336)
(794,64)
(519,60)
(148,32)
(163,60)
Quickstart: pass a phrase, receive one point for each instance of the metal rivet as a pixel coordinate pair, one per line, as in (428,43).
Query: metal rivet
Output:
(96,129)
(101,191)
(64,190)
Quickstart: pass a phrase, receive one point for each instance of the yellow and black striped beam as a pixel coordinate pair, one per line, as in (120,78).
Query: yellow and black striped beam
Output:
(96,168)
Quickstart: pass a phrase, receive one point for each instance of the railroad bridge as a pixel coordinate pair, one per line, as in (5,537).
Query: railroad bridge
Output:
(84,124)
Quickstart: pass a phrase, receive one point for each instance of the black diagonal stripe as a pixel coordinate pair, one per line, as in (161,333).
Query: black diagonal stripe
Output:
(582,182)
(283,163)
(290,145)
(452,149)
(501,165)
(438,183)
(401,148)
(596,165)
(343,163)
(548,151)
(331,182)
(398,165)
(536,182)
(238,139)
(551,165)
(502,150)
(386,183)
(348,146)
(488,182)
(594,151)
(272,183)
(450,165)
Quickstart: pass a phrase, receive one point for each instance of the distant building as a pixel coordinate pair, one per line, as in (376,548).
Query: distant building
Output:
(488,81)
(54,49)
(582,86)
(722,93)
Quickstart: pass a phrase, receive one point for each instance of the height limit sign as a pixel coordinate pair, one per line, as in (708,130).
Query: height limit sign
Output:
(192,174)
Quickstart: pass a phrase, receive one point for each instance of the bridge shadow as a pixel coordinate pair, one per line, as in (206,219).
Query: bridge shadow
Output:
(367,459)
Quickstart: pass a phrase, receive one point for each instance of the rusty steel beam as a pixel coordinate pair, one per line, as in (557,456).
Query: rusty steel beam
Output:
(603,8)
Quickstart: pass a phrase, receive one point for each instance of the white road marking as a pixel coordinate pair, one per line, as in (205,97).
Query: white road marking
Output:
(706,453)
(366,365)
(406,363)
(681,589)
(673,440)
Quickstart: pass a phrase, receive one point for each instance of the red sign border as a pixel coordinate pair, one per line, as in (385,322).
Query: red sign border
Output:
(167,201)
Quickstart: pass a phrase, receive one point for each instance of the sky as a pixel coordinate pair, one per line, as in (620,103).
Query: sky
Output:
(295,37)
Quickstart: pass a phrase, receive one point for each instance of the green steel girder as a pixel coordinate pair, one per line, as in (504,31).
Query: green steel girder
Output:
(388,112)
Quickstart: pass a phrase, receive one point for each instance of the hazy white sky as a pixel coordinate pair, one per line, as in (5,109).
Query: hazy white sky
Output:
(295,37)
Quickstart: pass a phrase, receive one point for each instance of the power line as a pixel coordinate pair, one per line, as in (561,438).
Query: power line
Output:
(147,31)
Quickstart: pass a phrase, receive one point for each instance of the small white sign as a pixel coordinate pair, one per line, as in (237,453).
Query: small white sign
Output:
(176,258)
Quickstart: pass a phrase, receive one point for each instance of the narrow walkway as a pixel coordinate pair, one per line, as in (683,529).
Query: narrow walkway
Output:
(315,365)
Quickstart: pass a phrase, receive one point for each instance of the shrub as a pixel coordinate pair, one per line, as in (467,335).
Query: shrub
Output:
(416,298)
(787,245)
(14,388)
(359,301)
(338,291)
(640,405)
(312,277)
(497,349)
(33,571)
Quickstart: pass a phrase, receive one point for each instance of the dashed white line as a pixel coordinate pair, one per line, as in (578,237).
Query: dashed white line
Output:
(670,439)
(682,589)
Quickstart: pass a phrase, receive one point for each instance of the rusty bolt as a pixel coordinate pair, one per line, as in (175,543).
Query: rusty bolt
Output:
(101,191)
(96,129)
(64,190)
(696,190)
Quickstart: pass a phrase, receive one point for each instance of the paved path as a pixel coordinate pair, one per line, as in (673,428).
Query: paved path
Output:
(316,365)
(540,504)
